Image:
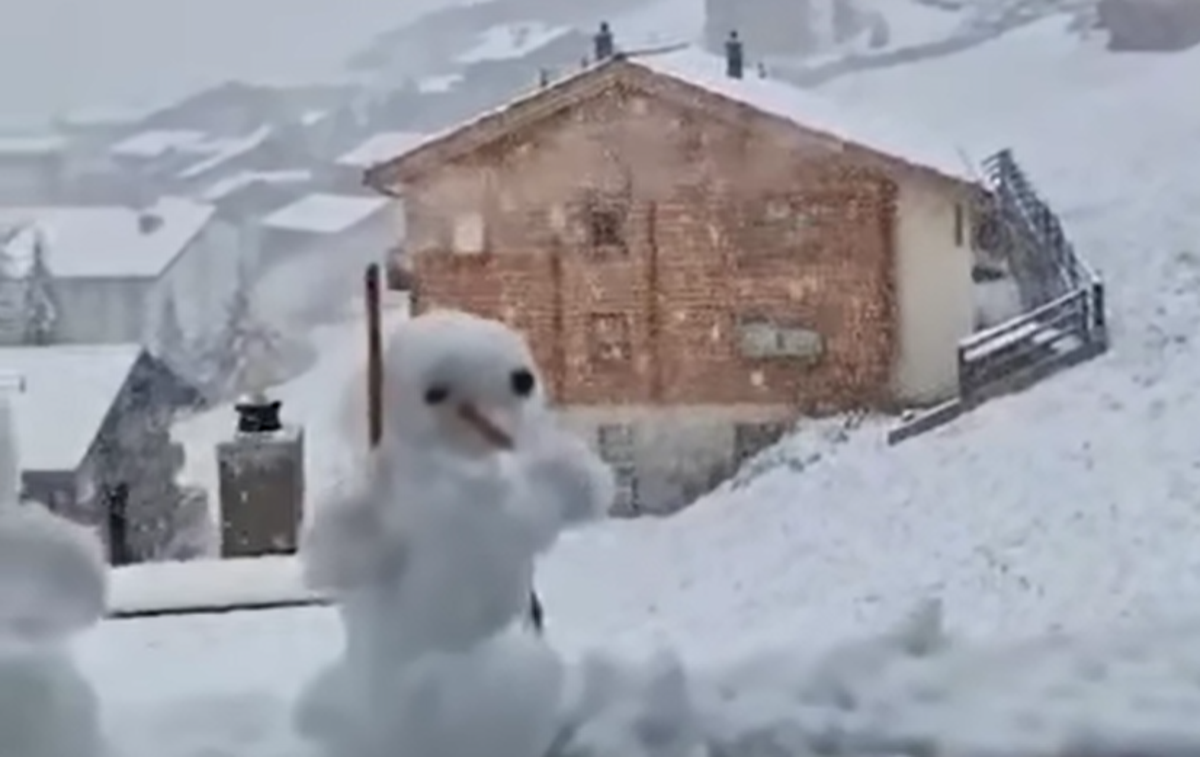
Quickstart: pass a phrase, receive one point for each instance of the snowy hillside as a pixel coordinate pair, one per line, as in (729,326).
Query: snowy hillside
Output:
(1069,506)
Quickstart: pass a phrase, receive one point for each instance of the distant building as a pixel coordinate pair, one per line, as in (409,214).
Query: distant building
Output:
(314,249)
(700,256)
(376,149)
(117,273)
(93,430)
(250,195)
(783,28)
(32,168)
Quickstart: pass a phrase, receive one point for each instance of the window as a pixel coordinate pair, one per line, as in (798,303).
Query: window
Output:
(615,443)
(775,225)
(608,338)
(468,234)
(751,438)
(960,225)
(606,227)
(762,338)
(627,498)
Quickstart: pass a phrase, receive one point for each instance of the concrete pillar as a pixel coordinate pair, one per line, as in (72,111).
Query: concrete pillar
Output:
(261,483)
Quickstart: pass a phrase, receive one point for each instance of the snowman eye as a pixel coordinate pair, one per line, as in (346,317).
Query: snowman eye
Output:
(436,394)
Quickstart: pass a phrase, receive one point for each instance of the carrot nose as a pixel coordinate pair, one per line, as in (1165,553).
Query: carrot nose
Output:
(487,428)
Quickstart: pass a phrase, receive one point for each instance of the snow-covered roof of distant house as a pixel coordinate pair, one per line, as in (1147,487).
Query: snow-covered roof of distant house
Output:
(311,117)
(511,40)
(224,187)
(324,213)
(223,150)
(157,142)
(88,117)
(441,83)
(68,391)
(878,130)
(381,147)
(875,130)
(44,144)
(107,242)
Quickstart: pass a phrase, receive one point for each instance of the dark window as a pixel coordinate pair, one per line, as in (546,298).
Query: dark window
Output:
(607,227)
(960,225)
(627,501)
(615,443)
(609,339)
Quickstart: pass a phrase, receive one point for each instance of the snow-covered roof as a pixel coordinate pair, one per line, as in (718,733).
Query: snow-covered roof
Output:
(322,213)
(68,391)
(230,184)
(108,242)
(31,145)
(442,83)
(102,116)
(879,130)
(876,130)
(155,143)
(511,40)
(381,147)
(223,150)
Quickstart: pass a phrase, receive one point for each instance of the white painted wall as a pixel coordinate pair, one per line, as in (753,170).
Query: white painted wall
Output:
(934,291)
(201,281)
(105,310)
(29,179)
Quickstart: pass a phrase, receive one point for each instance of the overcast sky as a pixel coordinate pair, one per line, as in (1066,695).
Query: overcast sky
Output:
(62,55)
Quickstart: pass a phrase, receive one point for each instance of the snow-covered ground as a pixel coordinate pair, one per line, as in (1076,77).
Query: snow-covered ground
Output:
(1070,507)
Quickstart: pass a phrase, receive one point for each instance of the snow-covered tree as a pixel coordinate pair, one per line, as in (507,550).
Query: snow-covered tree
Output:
(39,299)
(244,355)
(172,343)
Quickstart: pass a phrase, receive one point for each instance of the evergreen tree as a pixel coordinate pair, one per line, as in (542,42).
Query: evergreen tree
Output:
(171,341)
(244,353)
(39,300)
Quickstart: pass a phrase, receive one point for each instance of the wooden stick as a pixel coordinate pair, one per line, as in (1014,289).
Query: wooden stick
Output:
(374,357)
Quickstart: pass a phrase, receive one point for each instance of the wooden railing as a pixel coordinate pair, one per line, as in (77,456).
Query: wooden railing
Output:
(1063,322)
(1064,319)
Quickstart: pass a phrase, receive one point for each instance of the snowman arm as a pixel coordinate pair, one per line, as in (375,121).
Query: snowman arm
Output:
(345,546)
(566,485)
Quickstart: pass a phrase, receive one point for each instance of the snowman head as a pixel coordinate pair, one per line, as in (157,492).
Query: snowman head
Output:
(460,384)
(53,578)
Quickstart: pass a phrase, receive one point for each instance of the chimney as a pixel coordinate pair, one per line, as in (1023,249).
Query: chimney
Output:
(543,77)
(149,222)
(735,57)
(261,482)
(603,43)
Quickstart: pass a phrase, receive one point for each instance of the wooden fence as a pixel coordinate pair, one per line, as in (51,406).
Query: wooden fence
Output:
(1063,322)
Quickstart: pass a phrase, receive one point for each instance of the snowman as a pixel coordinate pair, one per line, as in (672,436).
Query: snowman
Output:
(430,554)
